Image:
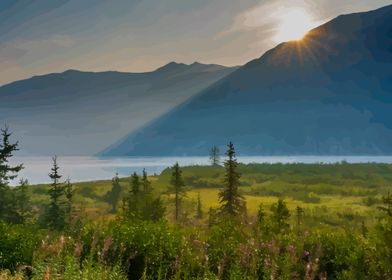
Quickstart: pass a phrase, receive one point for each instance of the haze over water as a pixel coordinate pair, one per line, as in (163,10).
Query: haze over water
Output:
(91,168)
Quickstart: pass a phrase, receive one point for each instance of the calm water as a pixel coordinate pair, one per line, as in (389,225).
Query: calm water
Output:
(91,168)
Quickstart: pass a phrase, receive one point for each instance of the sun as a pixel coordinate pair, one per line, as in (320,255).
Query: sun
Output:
(294,25)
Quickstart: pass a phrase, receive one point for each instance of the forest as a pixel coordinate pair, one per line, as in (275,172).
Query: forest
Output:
(224,221)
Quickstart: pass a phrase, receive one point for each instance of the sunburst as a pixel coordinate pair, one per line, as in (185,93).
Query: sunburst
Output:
(293,25)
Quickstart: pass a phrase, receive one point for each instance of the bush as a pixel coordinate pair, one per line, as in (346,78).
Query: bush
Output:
(17,245)
(145,246)
(371,200)
(311,198)
(340,255)
(224,242)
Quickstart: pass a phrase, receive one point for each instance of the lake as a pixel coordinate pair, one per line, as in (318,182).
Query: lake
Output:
(91,168)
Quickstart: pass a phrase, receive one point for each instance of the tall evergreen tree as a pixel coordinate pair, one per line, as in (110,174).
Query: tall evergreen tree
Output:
(145,182)
(299,214)
(112,197)
(23,202)
(280,216)
(7,172)
(261,215)
(135,184)
(214,156)
(178,185)
(232,203)
(55,214)
(69,193)
(155,210)
(262,226)
(199,208)
(133,201)
(142,204)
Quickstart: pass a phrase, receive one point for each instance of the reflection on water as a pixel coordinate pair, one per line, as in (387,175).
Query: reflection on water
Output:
(91,168)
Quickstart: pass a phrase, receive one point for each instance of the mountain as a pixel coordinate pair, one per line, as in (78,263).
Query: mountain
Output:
(328,94)
(81,113)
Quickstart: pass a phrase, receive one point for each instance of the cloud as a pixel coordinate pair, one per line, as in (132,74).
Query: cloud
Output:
(265,17)
(10,52)
(138,35)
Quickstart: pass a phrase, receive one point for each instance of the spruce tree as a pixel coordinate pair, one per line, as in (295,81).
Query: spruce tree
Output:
(7,173)
(299,214)
(14,205)
(23,202)
(112,197)
(260,215)
(177,184)
(199,209)
(155,210)
(55,213)
(214,156)
(232,203)
(69,193)
(280,216)
(135,184)
(145,182)
(261,221)
(153,207)
(132,203)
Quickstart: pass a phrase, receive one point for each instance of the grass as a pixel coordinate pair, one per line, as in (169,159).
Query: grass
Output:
(5,275)
(339,230)
(331,194)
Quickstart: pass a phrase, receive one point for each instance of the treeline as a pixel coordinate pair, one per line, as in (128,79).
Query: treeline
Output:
(141,202)
(139,243)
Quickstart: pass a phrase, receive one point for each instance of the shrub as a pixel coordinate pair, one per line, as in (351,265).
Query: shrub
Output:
(17,245)
(225,239)
(145,246)
(311,198)
(371,200)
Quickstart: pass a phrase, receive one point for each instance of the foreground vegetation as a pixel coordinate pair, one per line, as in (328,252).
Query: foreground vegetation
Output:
(255,221)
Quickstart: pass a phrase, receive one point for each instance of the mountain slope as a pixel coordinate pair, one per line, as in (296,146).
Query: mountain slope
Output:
(80,113)
(330,93)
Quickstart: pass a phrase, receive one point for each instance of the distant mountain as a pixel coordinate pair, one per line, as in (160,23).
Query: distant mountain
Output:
(330,93)
(81,113)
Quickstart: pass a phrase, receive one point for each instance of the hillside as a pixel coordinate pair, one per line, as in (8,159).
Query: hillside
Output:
(81,113)
(330,93)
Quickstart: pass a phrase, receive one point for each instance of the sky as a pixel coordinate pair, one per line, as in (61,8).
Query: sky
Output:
(45,36)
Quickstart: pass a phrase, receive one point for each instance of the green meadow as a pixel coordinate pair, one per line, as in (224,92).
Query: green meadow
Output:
(335,195)
(299,221)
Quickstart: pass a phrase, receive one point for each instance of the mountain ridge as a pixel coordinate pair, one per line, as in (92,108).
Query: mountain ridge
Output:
(207,67)
(80,113)
(326,94)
